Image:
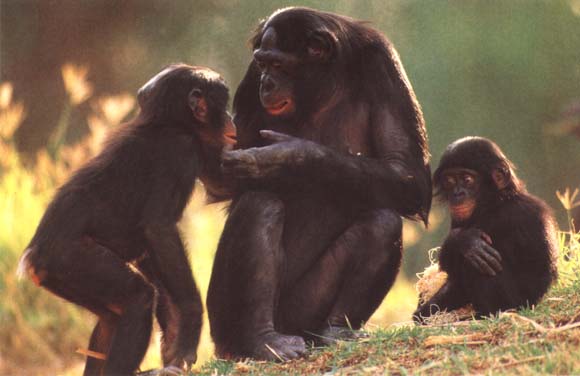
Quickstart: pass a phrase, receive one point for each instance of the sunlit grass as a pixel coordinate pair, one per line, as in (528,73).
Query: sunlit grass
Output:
(76,84)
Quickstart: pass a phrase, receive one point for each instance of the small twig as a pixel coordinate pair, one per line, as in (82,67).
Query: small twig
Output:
(515,316)
(565,327)
(469,339)
(92,354)
(274,352)
(428,367)
(518,362)
(539,327)
(574,318)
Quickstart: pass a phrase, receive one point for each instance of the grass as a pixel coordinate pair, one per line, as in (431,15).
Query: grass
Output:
(543,340)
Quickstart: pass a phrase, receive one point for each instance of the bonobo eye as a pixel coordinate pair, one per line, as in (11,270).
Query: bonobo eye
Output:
(261,65)
(468,180)
(196,93)
(276,64)
(448,182)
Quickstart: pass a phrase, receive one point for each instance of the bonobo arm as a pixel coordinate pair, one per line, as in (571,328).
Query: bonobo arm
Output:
(173,173)
(473,246)
(393,176)
(172,266)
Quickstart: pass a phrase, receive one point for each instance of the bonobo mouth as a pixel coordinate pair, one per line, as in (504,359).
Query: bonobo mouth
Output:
(461,211)
(283,107)
(230,139)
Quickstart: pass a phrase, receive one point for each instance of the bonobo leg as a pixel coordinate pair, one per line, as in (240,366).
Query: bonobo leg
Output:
(245,281)
(491,294)
(348,282)
(94,277)
(166,311)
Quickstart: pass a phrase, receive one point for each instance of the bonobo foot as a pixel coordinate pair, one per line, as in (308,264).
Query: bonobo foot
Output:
(167,371)
(331,334)
(278,347)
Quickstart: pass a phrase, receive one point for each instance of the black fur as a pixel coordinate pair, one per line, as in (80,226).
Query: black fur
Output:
(314,234)
(122,207)
(521,228)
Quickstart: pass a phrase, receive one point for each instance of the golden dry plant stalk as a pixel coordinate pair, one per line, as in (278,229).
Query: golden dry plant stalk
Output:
(113,109)
(568,199)
(108,112)
(76,84)
(11,113)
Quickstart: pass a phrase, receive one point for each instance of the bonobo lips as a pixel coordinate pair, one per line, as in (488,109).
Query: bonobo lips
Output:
(279,108)
(462,211)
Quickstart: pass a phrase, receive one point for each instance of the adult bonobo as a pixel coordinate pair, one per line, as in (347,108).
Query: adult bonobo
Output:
(334,152)
(501,251)
(122,207)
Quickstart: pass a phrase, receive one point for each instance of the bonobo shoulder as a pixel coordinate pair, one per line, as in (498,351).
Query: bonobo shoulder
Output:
(524,211)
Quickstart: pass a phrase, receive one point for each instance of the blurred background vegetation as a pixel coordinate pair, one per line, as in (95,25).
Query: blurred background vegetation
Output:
(69,70)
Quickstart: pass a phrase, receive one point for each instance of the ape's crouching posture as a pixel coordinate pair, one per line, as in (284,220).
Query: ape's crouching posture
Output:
(122,207)
(501,250)
(313,240)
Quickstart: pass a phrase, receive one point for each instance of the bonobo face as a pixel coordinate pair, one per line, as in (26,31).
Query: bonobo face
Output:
(207,100)
(277,69)
(461,189)
(192,97)
(291,64)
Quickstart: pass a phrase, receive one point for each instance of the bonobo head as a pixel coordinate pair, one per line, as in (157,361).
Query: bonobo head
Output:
(473,173)
(296,52)
(190,97)
(193,99)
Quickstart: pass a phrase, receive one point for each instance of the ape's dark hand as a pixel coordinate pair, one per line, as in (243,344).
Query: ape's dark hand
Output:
(477,250)
(284,154)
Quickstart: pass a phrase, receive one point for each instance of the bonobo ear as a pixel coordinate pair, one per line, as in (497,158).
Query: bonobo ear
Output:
(198,105)
(501,176)
(321,45)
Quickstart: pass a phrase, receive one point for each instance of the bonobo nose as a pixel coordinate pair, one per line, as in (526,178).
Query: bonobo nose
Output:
(268,84)
(457,196)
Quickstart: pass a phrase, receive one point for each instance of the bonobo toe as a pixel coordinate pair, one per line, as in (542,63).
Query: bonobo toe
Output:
(279,347)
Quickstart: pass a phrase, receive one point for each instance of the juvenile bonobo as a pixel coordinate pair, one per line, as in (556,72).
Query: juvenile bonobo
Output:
(501,250)
(334,151)
(123,207)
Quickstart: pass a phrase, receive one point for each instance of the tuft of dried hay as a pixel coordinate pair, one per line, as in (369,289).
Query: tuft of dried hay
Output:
(430,281)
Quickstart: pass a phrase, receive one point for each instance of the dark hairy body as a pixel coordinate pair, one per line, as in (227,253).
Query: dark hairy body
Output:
(501,251)
(333,153)
(123,207)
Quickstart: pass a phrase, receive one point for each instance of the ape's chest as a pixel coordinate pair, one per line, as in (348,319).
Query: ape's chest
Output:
(345,130)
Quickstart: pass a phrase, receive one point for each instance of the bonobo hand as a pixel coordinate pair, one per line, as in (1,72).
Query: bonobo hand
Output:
(285,152)
(475,246)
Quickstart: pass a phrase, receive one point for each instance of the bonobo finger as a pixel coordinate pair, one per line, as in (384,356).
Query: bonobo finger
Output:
(493,264)
(275,136)
(479,263)
(493,258)
(486,238)
(238,157)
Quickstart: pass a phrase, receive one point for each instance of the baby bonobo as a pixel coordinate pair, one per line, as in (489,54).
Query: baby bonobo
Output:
(109,240)
(501,250)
